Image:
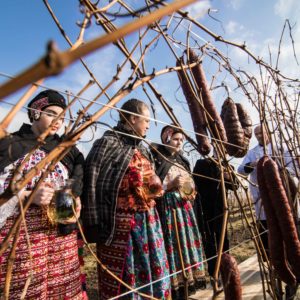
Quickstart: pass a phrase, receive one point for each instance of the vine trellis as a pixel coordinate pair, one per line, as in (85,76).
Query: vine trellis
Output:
(161,26)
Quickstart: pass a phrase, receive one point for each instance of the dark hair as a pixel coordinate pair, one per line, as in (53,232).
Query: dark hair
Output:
(132,105)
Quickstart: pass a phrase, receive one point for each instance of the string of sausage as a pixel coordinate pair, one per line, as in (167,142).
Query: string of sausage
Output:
(282,230)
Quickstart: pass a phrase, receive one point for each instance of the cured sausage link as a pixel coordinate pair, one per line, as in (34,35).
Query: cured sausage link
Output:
(284,215)
(214,118)
(276,246)
(231,277)
(196,111)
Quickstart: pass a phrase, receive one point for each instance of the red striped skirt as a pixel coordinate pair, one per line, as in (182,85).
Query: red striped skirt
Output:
(51,263)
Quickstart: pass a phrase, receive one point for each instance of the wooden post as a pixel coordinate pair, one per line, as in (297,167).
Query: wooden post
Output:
(184,275)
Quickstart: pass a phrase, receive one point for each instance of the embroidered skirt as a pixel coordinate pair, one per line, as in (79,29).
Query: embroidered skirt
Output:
(137,255)
(189,237)
(50,265)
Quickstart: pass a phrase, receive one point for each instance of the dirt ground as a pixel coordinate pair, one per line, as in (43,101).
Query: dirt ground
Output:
(241,244)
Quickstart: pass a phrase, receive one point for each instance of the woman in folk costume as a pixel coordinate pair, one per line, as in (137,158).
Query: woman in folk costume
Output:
(119,208)
(45,252)
(174,171)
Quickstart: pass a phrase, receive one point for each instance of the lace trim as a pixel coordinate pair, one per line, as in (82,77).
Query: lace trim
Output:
(10,207)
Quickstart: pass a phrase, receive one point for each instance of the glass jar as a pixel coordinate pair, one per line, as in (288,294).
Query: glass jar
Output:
(62,206)
(188,187)
(65,203)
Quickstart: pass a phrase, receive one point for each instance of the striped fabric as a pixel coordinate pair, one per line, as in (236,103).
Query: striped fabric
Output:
(49,261)
(54,265)
(105,167)
(137,253)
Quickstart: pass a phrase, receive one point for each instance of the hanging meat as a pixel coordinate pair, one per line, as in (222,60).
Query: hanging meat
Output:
(276,245)
(283,214)
(233,127)
(214,120)
(196,111)
(238,126)
(230,277)
(245,120)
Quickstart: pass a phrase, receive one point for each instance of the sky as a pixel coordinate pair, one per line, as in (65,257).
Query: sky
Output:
(27,27)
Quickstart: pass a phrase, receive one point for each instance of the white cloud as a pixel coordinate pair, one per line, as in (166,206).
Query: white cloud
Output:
(232,27)
(235,4)
(287,9)
(266,49)
(287,63)
(239,34)
(20,118)
(199,9)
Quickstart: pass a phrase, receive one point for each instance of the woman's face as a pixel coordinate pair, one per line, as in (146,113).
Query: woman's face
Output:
(141,123)
(176,142)
(46,118)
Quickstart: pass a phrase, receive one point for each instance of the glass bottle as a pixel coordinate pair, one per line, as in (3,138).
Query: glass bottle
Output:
(154,184)
(64,202)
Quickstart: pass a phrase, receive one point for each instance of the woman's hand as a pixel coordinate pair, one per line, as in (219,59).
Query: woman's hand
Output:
(176,183)
(78,207)
(43,195)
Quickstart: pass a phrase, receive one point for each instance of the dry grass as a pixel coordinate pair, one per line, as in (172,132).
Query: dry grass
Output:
(240,240)
(90,266)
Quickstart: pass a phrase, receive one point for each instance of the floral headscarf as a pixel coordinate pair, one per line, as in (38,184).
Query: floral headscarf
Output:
(167,132)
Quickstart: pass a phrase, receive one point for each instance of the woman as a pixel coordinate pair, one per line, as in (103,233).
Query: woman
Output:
(45,254)
(174,171)
(119,211)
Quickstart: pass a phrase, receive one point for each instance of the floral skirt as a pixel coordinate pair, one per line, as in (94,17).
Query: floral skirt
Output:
(53,264)
(189,237)
(137,255)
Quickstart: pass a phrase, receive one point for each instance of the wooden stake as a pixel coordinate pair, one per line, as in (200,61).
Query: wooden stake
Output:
(184,275)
